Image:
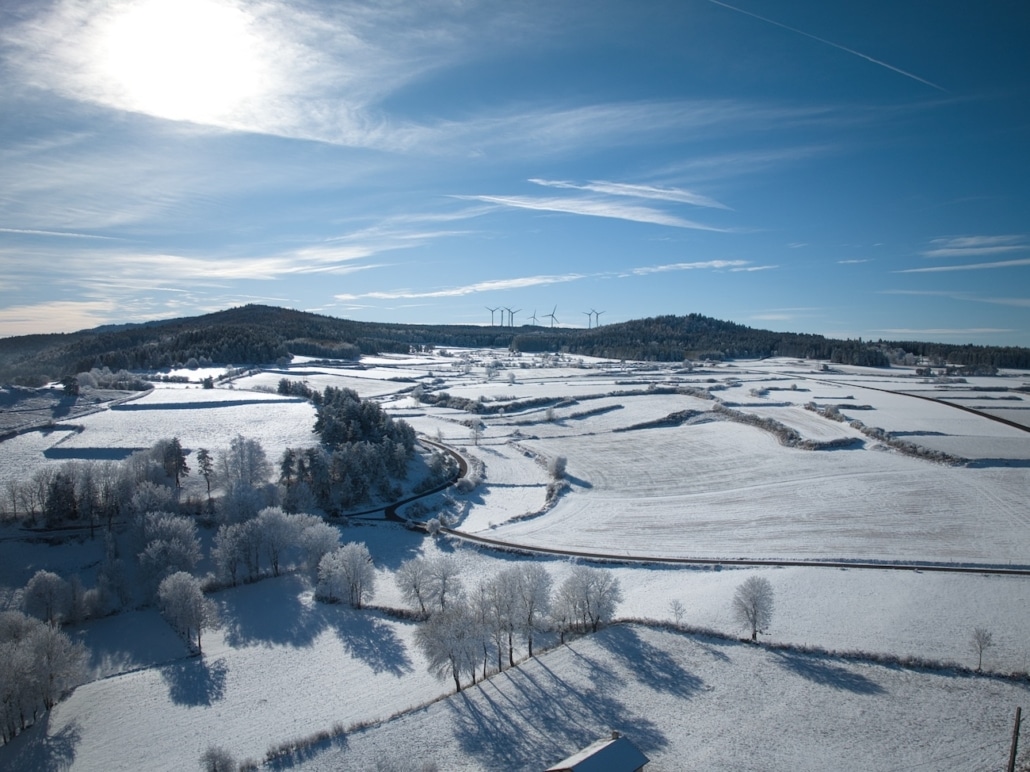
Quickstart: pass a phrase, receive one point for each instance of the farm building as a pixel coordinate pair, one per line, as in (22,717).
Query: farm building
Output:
(613,755)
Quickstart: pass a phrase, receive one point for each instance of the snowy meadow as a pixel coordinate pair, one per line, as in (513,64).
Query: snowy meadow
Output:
(732,470)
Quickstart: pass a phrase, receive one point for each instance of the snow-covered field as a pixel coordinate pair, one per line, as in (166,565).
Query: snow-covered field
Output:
(283,666)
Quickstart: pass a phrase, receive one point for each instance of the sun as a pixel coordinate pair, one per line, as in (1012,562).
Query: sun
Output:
(189,60)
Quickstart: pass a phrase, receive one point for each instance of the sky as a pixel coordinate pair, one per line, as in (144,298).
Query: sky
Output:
(851,168)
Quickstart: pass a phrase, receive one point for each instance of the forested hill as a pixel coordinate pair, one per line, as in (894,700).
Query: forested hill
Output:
(256,334)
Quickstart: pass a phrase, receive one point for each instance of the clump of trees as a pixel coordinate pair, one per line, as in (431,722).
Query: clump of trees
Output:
(38,664)
(362,453)
(274,538)
(347,574)
(182,602)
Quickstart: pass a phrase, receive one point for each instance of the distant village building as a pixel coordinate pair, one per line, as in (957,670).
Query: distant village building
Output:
(614,755)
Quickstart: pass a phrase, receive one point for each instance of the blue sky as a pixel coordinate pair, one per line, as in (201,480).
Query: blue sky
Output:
(846,168)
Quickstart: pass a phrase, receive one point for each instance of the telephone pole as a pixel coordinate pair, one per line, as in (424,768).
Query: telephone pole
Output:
(1015,742)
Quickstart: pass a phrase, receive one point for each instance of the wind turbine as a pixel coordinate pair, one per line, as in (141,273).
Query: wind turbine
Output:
(590,315)
(597,318)
(552,317)
(511,316)
(502,315)
(533,318)
(492,310)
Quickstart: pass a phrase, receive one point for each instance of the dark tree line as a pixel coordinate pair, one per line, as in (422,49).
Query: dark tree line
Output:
(363,452)
(256,334)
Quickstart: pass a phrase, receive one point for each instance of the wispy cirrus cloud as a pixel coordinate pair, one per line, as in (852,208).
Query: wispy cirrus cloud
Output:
(963,296)
(56,316)
(592,207)
(493,285)
(695,266)
(753,268)
(971,246)
(969,266)
(57,234)
(677,195)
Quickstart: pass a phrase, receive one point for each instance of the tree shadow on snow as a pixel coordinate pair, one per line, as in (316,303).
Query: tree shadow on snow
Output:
(654,667)
(371,640)
(195,681)
(1002,463)
(819,670)
(273,612)
(579,482)
(37,748)
(528,716)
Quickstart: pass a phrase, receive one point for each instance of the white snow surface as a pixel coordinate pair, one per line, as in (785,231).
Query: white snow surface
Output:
(283,666)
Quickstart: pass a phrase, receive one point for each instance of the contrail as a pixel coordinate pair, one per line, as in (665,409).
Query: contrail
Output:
(831,43)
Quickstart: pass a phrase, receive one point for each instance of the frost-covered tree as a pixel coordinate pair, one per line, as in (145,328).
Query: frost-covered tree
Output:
(230,550)
(183,604)
(317,539)
(451,640)
(245,463)
(532,584)
(170,545)
(59,663)
(502,617)
(347,573)
(38,664)
(753,604)
(279,531)
(112,588)
(218,759)
(556,467)
(444,581)
(48,597)
(152,497)
(586,599)
(412,580)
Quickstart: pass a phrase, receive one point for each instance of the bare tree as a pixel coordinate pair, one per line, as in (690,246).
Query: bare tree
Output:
(677,610)
(980,641)
(753,605)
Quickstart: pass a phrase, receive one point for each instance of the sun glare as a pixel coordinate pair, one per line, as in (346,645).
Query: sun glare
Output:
(192,60)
